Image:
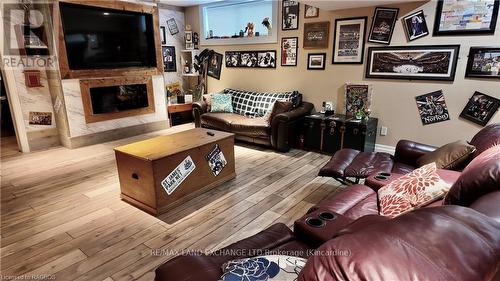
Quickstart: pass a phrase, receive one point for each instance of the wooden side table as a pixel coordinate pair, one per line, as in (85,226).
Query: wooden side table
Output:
(176,108)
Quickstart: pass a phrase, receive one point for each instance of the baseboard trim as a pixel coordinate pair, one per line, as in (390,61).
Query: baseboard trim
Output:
(385,148)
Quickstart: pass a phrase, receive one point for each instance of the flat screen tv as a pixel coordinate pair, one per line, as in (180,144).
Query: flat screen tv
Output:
(101,38)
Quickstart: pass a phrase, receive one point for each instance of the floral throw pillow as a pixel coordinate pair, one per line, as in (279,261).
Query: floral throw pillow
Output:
(263,268)
(221,103)
(411,191)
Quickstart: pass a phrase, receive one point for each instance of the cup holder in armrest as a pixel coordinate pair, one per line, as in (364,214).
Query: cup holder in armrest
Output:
(381,178)
(314,222)
(384,174)
(327,216)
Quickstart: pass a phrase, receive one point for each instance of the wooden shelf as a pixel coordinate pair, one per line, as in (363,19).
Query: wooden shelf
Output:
(190,74)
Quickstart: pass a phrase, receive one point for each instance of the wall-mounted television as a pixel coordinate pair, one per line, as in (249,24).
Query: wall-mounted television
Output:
(102,38)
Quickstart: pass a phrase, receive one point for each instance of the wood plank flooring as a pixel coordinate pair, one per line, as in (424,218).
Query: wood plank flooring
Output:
(61,214)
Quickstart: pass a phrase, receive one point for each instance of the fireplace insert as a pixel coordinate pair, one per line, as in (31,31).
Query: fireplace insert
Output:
(118,98)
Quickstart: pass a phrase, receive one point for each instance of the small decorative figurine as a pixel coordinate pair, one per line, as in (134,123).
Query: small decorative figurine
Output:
(267,24)
(249,29)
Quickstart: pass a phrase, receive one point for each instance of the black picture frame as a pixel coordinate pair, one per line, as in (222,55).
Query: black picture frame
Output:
(290,15)
(473,61)
(172,26)
(417,29)
(428,68)
(294,51)
(312,67)
(169,59)
(316,35)
(472,31)
(251,59)
(163,36)
(215,65)
(381,31)
(432,108)
(483,105)
(358,59)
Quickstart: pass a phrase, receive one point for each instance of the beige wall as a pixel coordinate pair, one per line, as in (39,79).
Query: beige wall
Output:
(393,100)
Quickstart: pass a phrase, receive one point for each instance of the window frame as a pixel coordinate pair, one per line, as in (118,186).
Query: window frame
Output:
(271,38)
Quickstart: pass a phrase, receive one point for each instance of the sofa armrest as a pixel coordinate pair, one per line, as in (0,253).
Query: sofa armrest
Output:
(199,108)
(407,152)
(284,126)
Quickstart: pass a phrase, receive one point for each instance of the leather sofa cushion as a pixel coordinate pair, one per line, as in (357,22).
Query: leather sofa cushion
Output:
(420,245)
(488,205)
(353,202)
(488,137)
(252,127)
(353,163)
(221,121)
(449,156)
(401,168)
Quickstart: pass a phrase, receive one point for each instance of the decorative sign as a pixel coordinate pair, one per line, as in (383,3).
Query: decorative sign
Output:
(216,160)
(32,78)
(289,49)
(178,175)
(316,35)
(40,118)
(432,108)
(357,100)
(172,26)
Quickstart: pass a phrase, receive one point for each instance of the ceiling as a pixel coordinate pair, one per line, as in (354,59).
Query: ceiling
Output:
(332,5)
(329,5)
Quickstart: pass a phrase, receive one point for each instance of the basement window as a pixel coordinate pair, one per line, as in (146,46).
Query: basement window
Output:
(222,22)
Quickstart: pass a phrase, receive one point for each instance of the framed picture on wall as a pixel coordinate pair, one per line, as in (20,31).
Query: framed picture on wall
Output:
(214,65)
(384,20)
(290,12)
(457,17)
(316,35)
(432,108)
(413,62)
(311,12)
(251,59)
(349,40)
(316,61)
(169,59)
(162,35)
(483,62)
(172,26)
(415,25)
(289,50)
(480,108)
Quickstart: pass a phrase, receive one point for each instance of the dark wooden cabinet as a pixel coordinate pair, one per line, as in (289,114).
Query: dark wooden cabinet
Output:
(331,133)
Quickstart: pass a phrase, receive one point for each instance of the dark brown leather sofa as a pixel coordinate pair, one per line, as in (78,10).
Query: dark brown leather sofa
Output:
(281,133)
(455,239)
(350,163)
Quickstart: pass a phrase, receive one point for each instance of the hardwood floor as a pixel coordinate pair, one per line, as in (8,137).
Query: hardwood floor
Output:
(61,214)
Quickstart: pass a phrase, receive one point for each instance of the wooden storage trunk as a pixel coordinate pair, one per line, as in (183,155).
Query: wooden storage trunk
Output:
(143,167)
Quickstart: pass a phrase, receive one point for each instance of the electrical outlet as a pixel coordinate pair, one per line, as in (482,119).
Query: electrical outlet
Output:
(383,131)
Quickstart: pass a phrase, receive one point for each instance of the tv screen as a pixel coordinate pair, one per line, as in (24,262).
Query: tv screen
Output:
(99,38)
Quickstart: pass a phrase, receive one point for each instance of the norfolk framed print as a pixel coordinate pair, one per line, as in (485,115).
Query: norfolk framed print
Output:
(458,17)
(384,20)
(415,25)
(289,50)
(349,40)
(480,108)
(436,62)
(483,62)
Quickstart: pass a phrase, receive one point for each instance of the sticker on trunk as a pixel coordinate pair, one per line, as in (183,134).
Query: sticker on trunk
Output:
(178,175)
(216,160)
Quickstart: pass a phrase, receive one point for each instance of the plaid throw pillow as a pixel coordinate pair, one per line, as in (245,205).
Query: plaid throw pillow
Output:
(243,102)
(264,101)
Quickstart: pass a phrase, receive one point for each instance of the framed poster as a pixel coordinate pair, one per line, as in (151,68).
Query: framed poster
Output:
(289,50)
(349,40)
(251,59)
(384,20)
(162,35)
(432,108)
(415,25)
(483,62)
(311,12)
(316,61)
(169,59)
(413,62)
(358,100)
(316,35)
(290,12)
(457,17)
(172,26)
(214,65)
(480,108)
